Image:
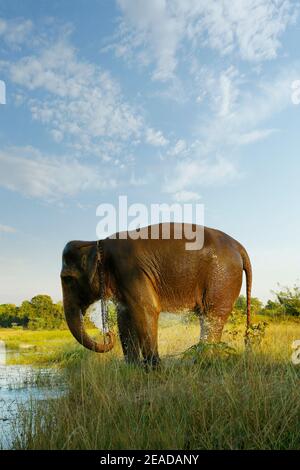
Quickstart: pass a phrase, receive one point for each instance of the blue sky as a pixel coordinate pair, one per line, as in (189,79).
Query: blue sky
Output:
(162,101)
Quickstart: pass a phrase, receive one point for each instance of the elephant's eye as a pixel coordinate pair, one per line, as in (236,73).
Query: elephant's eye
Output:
(68,280)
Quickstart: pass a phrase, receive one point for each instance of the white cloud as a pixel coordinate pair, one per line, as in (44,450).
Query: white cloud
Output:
(243,118)
(156,138)
(152,24)
(254,136)
(217,86)
(228,91)
(156,31)
(252,28)
(7,229)
(222,133)
(27,171)
(14,32)
(195,172)
(82,105)
(178,148)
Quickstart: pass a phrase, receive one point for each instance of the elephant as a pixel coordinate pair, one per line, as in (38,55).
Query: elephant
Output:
(146,276)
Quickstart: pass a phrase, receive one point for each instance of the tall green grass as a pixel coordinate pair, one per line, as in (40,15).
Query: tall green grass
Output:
(243,401)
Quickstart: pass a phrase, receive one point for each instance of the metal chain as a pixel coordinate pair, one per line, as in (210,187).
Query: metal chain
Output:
(103,302)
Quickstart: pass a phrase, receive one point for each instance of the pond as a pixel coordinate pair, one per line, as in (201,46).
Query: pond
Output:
(19,386)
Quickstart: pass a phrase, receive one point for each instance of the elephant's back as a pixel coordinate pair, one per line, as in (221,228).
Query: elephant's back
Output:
(223,249)
(160,232)
(174,246)
(179,275)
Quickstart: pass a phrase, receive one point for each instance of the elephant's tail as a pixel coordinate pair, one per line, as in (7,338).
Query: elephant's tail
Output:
(248,271)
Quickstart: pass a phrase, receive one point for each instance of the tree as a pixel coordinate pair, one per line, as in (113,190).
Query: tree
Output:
(25,311)
(289,300)
(8,315)
(44,313)
(274,308)
(240,306)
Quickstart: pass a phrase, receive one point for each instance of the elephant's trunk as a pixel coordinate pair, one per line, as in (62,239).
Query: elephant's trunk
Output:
(74,319)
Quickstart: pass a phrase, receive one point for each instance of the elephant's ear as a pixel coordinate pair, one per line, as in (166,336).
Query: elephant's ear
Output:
(90,261)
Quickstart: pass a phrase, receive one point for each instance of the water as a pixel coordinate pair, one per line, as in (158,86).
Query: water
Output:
(18,386)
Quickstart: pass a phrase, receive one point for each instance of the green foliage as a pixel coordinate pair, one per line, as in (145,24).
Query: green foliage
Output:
(290,300)
(257,332)
(240,307)
(274,308)
(287,303)
(45,314)
(112,315)
(8,315)
(39,313)
(203,351)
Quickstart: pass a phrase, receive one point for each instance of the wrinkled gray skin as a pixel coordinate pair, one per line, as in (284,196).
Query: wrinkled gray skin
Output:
(145,277)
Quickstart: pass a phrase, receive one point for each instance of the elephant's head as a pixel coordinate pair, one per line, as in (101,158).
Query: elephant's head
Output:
(81,287)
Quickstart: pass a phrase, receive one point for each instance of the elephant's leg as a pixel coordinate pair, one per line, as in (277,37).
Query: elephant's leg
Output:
(211,327)
(212,322)
(146,322)
(218,302)
(128,335)
(203,324)
(144,308)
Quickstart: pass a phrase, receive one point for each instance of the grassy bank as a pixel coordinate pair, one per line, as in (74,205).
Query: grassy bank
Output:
(237,402)
(38,347)
(48,347)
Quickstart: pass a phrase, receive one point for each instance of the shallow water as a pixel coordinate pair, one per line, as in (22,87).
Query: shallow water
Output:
(19,387)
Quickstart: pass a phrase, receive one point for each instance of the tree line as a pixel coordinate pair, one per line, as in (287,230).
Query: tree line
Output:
(286,303)
(42,313)
(38,313)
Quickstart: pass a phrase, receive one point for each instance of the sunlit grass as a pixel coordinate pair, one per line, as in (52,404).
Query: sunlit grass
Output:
(42,347)
(240,401)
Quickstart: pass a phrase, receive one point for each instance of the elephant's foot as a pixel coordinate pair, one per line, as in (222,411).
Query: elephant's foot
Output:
(151,363)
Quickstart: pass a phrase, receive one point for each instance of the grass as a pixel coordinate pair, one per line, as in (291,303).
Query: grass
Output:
(231,401)
(41,347)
